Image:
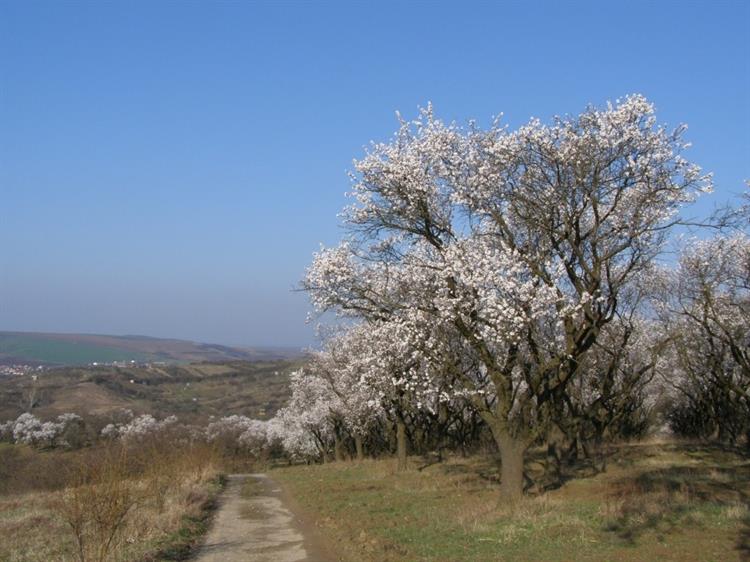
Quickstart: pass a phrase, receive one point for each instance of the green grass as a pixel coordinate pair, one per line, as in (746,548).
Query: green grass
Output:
(654,503)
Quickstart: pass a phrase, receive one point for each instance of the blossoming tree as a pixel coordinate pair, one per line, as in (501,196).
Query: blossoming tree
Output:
(515,246)
(707,308)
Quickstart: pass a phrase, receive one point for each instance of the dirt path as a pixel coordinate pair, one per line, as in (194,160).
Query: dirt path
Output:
(259,528)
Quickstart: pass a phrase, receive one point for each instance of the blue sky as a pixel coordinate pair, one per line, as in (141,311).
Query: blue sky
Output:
(168,168)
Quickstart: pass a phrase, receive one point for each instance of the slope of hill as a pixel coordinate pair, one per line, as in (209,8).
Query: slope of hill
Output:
(83,349)
(193,392)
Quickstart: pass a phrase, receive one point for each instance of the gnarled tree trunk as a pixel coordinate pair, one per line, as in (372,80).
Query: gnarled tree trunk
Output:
(401,444)
(512,451)
(337,453)
(359,446)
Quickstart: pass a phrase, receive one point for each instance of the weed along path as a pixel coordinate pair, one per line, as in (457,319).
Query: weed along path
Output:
(253,524)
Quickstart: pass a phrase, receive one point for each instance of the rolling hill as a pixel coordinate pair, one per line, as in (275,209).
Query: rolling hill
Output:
(193,392)
(84,349)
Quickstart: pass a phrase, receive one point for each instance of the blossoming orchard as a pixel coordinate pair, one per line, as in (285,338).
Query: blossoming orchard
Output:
(501,290)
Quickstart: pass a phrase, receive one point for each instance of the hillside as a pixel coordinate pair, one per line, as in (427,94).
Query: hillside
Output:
(84,349)
(193,392)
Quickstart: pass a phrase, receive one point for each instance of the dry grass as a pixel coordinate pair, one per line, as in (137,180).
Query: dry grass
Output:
(97,503)
(120,504)
(30,531)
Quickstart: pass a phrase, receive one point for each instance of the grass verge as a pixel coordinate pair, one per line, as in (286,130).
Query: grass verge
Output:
(655,502)
(183,543)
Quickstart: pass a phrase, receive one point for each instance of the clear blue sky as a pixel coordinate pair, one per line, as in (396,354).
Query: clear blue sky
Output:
(168,168)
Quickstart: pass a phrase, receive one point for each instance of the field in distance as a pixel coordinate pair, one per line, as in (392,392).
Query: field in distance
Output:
(192,392)
(83,349)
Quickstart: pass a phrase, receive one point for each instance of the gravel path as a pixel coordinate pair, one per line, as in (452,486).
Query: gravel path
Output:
(256,529)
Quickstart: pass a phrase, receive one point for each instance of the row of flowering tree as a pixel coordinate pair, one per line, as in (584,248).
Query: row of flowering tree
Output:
(511,275)
(705,305)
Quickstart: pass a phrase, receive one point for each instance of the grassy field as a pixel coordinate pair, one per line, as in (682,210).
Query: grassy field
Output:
(58,352)
(192,392)
(655,502)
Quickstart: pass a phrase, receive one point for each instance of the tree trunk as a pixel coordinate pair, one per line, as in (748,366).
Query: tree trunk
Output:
(722,436)
(401,444)
(337,453)
(570,454)
(511,467)
(321,447)
(390,431)
(359,446)
(418,439)
(552,466)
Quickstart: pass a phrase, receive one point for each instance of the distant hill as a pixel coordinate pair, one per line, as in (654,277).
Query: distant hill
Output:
(84,349)
(193,392)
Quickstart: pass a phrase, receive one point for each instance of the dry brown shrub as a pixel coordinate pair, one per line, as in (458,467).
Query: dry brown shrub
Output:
(127,495)
(96,504)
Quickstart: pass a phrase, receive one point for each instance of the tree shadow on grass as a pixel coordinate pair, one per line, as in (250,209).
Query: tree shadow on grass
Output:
(670,499)
(712,456)
(477,470)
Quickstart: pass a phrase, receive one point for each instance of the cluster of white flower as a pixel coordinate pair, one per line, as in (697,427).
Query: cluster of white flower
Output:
(234,432)
(298,440)
(30,430)
(239,431)
(139,428)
